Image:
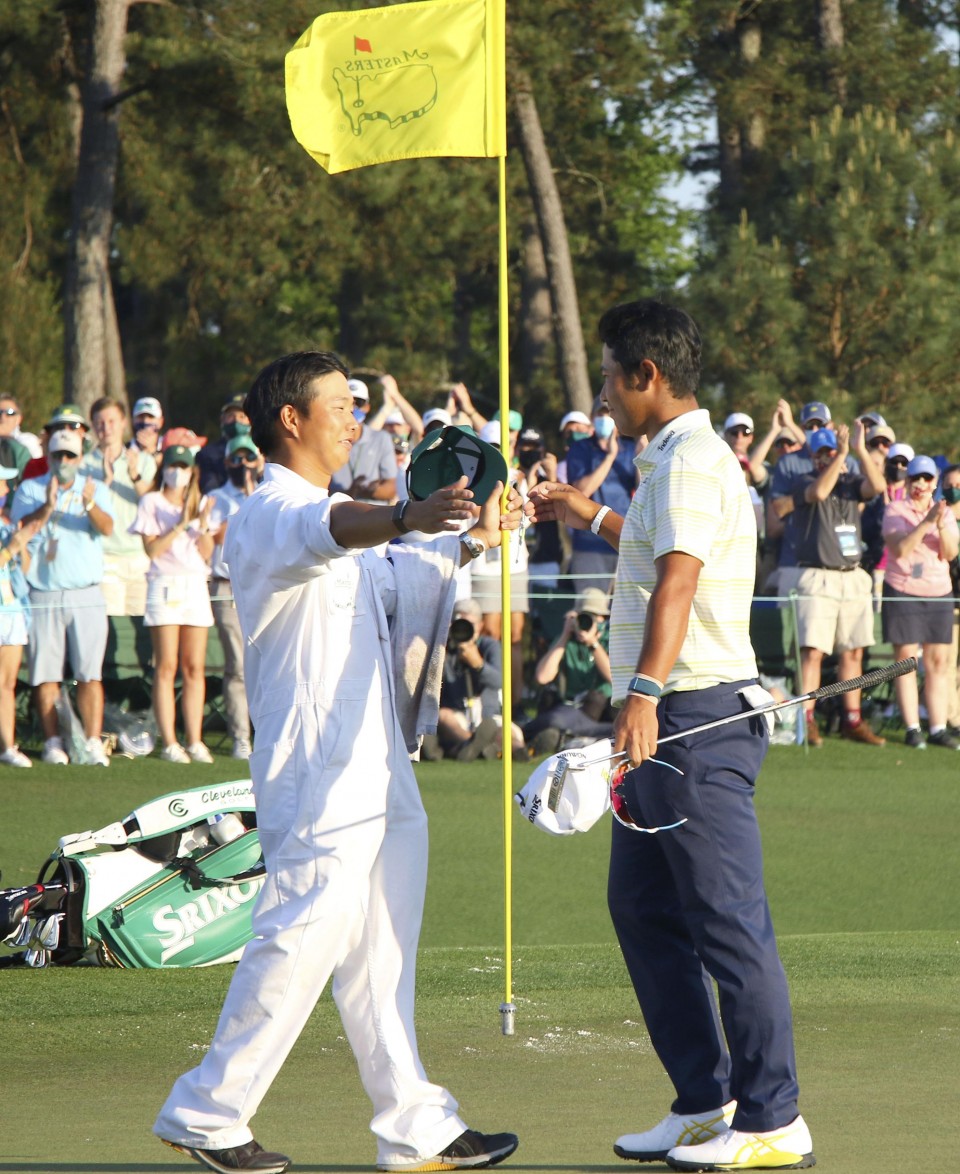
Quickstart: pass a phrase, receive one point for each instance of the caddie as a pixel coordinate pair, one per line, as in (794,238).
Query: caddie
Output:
(338,699)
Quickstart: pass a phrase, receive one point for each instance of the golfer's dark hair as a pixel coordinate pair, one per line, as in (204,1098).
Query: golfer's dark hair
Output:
(666,335)
(285,381)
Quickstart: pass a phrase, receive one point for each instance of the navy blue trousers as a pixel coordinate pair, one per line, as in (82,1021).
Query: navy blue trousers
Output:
(689,907)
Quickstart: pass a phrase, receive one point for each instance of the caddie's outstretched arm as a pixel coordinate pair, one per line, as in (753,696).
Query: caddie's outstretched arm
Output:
(553,501)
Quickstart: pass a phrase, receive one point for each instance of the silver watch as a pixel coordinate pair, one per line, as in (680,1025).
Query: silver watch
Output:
(475,547)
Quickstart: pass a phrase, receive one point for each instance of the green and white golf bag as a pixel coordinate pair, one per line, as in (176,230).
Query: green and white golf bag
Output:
(172,885)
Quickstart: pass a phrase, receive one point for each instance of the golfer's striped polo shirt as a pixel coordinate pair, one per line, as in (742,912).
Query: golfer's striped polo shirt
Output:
(692,497)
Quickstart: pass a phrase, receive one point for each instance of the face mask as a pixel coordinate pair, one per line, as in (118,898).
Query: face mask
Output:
(176,478)
(951,494)
(894,472)
(237,477)
(573,437)
(603,426)
(64,471)
(528,457)
(229,431)
(359,415)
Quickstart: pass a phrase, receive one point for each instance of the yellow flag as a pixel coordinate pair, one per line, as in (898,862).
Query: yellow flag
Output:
(403,82)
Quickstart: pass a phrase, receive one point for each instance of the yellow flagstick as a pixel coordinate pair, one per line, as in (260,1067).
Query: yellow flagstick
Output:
(507,1007)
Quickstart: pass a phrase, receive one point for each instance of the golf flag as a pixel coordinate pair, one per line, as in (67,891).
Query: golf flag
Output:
(408,81)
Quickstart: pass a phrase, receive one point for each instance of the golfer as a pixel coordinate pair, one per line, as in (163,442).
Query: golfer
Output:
(337,699)
(688,904)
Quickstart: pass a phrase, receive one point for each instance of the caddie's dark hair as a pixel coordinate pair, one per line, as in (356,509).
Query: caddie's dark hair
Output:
(285,381)
(666,335)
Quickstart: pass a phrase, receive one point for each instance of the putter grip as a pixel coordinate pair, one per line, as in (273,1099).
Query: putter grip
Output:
(899,668)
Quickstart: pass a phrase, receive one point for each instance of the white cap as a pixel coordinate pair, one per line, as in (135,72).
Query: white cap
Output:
(394,417)
(9,473)
(900,450)
(569,792)
(736,419)
(148,406)
(358,389)
(575,418)
(433,414)
(66,440)
(490,432)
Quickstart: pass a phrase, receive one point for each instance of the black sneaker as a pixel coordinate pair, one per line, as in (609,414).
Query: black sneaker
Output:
(945,739)
(250,1156)
(469,1151)
(914,738)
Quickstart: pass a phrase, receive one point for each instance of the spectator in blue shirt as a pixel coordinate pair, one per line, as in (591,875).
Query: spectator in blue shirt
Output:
(66,568)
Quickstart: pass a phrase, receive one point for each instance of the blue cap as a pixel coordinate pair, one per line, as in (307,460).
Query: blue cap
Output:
(923,465)
(822,438)
(815,411)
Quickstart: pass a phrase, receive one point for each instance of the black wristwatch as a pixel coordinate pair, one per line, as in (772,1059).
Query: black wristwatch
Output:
(397,516)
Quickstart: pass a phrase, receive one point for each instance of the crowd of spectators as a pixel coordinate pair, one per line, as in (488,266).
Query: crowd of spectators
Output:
(110,517)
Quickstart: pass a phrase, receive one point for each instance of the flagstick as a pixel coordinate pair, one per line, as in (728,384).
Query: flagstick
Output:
(507,1007)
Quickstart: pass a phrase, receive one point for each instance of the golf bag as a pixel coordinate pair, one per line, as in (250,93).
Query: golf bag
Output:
(172,885)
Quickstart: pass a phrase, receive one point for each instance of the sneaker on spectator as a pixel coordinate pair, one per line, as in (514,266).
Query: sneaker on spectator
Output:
(54,753)
(15,757)
(199,753)
(862,732)
(241,748)
(97,752)
(175,753)
(945,739)
(914,738)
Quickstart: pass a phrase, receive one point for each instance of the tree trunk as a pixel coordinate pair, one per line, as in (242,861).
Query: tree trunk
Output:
(830,20)
(88,299)
(568,333)
(535,325)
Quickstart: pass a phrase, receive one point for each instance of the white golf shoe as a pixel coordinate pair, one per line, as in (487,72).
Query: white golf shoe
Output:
(676,1129)
(199,753)
(789,1148)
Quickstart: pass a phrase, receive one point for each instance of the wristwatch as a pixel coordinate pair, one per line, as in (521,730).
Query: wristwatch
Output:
(475,547)
(397,516)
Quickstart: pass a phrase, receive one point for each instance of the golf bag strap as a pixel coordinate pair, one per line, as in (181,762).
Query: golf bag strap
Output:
(198,879)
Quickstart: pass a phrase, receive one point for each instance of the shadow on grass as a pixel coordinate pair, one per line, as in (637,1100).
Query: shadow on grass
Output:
(171,1168)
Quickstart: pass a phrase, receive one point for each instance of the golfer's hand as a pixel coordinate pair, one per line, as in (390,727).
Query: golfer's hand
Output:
(636,729)
(552,501)
(493,521)
(443,511)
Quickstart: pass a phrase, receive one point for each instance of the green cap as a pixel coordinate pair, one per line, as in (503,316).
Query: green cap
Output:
(244,440)
(446,455)
(514,419)
(178,454)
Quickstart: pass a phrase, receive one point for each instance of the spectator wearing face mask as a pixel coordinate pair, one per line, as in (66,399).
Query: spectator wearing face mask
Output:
(234,421)
(174,522)
(66,568)
(601,468)
(146,422)
(244,466)
(574,427)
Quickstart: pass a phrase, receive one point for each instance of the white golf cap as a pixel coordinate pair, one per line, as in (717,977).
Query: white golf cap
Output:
(569,791)
(575,418)
(738,419)
(66,440)
(436,415)
(490,432)
(394,417)
(148,406)
(900,450)
(358,389)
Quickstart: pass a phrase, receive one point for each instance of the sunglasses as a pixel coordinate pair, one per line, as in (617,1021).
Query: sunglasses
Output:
(784,443)
(70,425)
(922,477)
(618,804)
(146,426)
(64,456)
(9,411)
(246,459)
(360,403)
(873,445)
(900,462)
(740,430)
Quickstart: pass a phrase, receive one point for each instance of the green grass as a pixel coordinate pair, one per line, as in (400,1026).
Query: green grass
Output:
(861,865)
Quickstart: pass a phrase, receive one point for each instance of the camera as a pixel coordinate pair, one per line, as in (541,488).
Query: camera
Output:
(461,632)
(586,620)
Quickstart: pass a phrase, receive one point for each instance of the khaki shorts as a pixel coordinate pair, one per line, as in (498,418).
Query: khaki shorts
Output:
(835,609)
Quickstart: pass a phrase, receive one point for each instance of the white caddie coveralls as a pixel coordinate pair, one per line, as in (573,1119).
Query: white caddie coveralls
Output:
(342,827)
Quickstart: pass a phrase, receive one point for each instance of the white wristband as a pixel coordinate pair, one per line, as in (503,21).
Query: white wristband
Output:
(598,519)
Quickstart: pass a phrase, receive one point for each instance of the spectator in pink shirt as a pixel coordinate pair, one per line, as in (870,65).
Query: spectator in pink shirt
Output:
(921,537)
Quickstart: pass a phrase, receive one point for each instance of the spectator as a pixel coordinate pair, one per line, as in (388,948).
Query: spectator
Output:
(514,428)
(14,618)
(234,421)
(397,415)
(834,609)
(578,660)
(788,439)
(950,482)
(922,538)
(880,439)
(435,419)
(147,417)
(72,517)
(370,474)
(14,453)
(127,474)
(68,418)
(174,523)
(547,554)
(470,692)
(244,466)
(574,426)
(460,404)
(601,468)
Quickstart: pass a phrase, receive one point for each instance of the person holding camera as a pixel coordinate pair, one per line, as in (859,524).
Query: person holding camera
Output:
(578,658)
(470,692)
